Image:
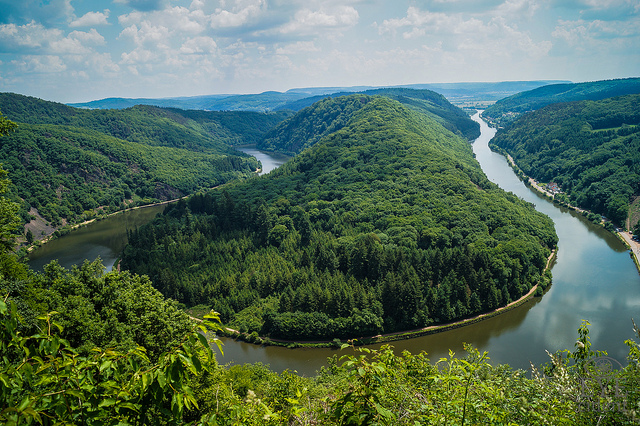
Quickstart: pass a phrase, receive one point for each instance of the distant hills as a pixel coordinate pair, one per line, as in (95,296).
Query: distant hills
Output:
(591,149)
(510,108)
(270,101)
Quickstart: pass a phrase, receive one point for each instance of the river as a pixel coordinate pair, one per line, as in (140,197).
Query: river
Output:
(594,278)
(107,237)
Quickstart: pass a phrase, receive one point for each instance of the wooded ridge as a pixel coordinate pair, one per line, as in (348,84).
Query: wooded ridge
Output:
(508,109)
(70,164)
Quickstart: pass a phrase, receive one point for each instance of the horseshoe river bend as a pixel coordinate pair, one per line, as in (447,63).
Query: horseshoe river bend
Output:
(594,279)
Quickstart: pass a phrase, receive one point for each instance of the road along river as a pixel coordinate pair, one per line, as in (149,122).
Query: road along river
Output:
(594,278)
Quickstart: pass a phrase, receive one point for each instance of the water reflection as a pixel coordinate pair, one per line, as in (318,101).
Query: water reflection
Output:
(269,160)
(105,239)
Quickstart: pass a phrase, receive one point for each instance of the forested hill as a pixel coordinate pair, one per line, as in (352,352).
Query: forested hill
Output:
(508,109)
(326,115)
(590,148)
(68,163)
(386,224)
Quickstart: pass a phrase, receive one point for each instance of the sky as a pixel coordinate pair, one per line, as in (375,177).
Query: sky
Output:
(81,50)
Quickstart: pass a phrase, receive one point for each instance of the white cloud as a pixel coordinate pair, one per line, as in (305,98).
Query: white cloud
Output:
(91,19)
(518,8)
(92,36)
(311,21)
(179,19)
(592,34)
(198,45)
(35,38)
(496,36)
(415,18)
(298,47)
(138,56)
(31,36)
(102,64)
(40,64)
(240,14)
(146,34)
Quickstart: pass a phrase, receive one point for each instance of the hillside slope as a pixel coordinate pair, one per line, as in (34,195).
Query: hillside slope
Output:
(506,110)
(591,149)
(385,224)
(212,131)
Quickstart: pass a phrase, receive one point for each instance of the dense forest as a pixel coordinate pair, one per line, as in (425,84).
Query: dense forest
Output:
(95,348)
(591,149)
(508,109)
(68,163)
(385,224)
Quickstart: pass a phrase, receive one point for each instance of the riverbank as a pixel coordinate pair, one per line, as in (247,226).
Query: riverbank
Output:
(538,288)
(268,164)
(625,237)
(57,232)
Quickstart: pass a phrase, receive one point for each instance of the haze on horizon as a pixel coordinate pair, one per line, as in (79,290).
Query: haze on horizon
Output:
(81,50)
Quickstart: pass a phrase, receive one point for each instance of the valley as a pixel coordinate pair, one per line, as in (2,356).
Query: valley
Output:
(385,220)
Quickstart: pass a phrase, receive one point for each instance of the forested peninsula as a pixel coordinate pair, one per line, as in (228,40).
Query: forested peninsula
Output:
(303,130)
(387,223)
(590,149)
(69,164)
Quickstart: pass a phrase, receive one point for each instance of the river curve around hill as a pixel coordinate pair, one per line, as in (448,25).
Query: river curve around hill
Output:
(594,278)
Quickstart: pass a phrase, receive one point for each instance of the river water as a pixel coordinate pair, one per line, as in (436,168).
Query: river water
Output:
(107,238)
(594,278)
(269,160)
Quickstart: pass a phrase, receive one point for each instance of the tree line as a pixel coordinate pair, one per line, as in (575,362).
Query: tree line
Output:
(71,164)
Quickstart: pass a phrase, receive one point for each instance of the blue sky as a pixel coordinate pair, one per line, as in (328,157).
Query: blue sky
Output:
(80,50)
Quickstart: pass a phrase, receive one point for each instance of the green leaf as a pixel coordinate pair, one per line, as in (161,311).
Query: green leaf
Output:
(107,402)
(106,364)
(24,404)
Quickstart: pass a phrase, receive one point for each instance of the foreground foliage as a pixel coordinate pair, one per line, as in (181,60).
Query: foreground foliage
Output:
(591,149)
(43,380)
(386,224)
